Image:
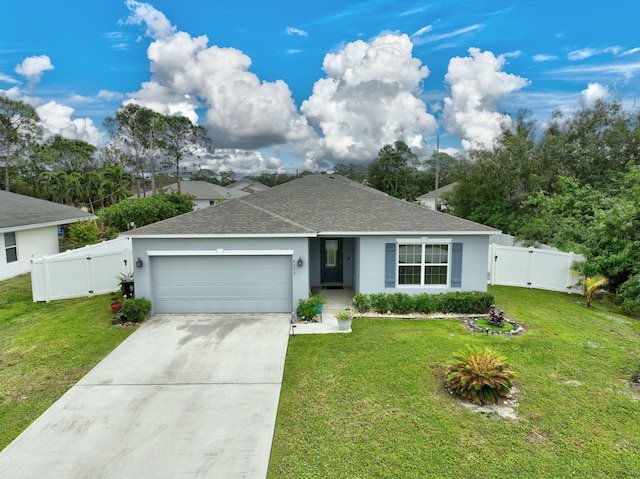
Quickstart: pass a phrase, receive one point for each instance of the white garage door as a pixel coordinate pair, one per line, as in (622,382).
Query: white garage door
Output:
(221,284)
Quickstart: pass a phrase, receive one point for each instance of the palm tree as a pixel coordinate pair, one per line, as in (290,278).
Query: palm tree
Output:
(91,181)
(59,190)
(591,285)
(75,189)
(115,184)
(44,185)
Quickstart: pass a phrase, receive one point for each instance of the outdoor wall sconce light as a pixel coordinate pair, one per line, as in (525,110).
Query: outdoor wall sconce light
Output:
(299,261)
(139,262)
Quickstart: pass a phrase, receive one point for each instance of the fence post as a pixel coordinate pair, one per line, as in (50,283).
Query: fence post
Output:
(571,259)
(528,263)
(492,263)
(45,273)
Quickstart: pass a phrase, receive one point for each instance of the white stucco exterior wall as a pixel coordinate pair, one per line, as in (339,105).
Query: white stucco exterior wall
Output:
(31,243)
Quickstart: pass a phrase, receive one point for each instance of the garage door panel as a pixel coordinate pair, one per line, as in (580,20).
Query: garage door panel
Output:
(225,284)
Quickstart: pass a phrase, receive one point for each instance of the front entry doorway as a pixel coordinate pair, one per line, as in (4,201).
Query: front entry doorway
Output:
(331,268)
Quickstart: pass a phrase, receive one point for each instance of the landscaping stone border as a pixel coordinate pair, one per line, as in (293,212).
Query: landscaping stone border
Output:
(470,323)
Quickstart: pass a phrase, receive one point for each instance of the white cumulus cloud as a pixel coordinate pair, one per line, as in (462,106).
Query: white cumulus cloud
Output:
(594,92)
(368,99)
(477,83)
(241,162)
(56,120)
(33,68)
(241,111)
(158,26)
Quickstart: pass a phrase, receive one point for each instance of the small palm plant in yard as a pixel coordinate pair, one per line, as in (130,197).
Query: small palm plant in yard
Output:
(479,375)
(591,286)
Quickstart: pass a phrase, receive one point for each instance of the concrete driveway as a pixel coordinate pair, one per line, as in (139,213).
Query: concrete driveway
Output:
(183,397)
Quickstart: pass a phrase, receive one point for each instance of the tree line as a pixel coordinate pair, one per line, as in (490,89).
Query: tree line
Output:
(77,173)
(574,185)
(144,142)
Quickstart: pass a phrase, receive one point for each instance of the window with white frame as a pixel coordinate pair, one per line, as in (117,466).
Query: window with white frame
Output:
(423,264)
(10,247)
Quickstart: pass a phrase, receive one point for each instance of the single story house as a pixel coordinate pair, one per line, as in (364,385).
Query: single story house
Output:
(29,229)
(264,252)
(203,193)
(434,199)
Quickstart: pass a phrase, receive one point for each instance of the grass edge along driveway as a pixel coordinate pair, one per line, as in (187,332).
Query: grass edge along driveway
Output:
(45,348)
(371,403)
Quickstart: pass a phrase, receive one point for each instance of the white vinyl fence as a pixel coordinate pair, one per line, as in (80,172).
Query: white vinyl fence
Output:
(532,268)
(87,271)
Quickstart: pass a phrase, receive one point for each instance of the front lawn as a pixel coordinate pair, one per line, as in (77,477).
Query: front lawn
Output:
(45,348)
(371,403)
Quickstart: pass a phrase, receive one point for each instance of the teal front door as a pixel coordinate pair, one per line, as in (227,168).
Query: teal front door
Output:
(331,252)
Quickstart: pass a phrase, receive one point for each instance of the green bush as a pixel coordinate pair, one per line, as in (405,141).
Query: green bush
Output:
(81,233)
(380,302)
(361,302)
(479,375)
(144,211)
(629,294)
(466,302)
(401,303)
(309,308)
(427,303)
(135,310)
(473,302)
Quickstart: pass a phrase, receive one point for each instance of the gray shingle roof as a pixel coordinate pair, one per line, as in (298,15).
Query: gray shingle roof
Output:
(314,204)
(234,217)
(202,190)
(19,211)
(248,186)
(438,192)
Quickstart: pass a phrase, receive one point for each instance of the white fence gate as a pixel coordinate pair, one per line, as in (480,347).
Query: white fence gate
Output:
(532,268)
(87,271)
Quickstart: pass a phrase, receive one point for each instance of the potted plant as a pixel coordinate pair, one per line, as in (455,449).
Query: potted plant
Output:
(116,302)
(344,319)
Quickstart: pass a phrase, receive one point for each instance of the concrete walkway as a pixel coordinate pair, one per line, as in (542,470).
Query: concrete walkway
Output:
(336,300)
(183,397)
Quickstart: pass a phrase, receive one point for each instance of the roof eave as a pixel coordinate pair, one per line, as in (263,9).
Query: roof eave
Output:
(34,226)
(218,235)
(409,233)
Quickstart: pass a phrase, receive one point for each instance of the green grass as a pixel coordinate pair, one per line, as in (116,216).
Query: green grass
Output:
(45,348)
(370,404)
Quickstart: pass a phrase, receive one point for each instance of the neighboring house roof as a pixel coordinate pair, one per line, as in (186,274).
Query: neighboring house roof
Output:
(24,212)
(315,204)
(437,193)
(202,190)
(248,186)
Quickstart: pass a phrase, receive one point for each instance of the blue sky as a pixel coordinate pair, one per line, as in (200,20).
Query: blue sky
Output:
(287,84)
